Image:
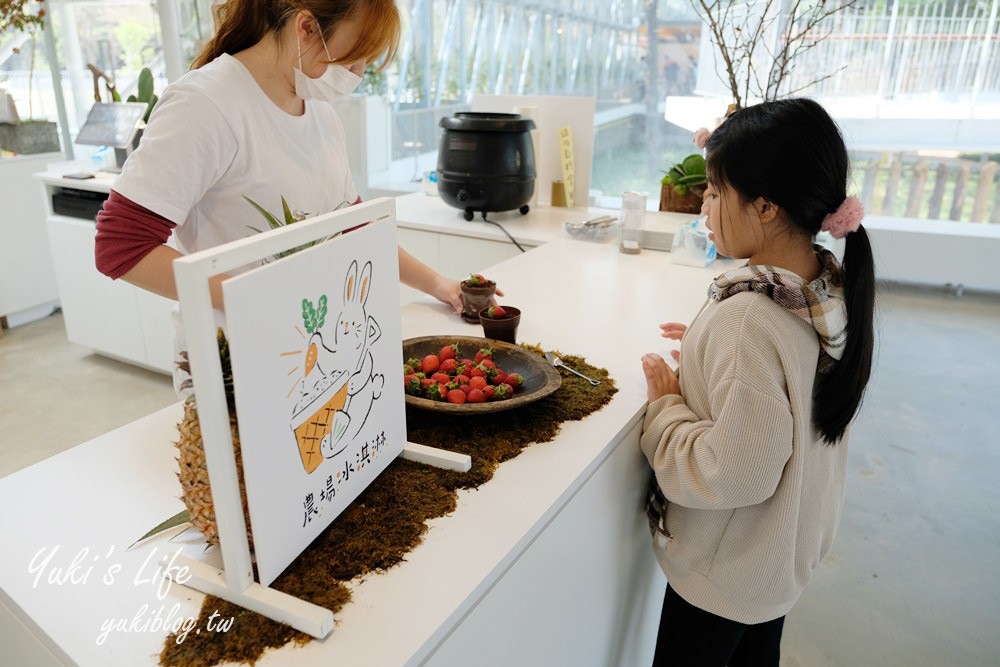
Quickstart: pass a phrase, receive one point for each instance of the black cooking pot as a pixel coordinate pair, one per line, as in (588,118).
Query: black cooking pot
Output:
(486,162)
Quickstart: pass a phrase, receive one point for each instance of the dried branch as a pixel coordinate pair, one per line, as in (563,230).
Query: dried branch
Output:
(741,42)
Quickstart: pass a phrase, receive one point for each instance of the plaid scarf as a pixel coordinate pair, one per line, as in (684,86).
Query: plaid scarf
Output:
(820,302)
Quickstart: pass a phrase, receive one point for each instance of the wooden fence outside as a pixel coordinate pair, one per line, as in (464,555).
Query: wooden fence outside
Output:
(932,188)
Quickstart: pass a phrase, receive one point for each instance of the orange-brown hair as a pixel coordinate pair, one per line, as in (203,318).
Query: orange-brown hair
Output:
(243,23)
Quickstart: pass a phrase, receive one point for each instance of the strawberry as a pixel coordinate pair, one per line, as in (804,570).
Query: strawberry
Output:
(465,388)
(488,391)
(477,371)
(515,380)
(502,392)
(477,280)
(448,352)
(413,363)
(449,366)
(499,378)
(412,385)
(478,382)
(431,363)
(436,392)
(441,378)
(407,370)
(476,396)
(456,396)
(484,353)
(496,312)
(426,382)
(462,379)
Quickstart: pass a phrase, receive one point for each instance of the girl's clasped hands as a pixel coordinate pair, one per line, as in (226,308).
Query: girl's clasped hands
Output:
(660,378)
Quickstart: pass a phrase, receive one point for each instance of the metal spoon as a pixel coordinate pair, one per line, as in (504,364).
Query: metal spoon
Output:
(557,362)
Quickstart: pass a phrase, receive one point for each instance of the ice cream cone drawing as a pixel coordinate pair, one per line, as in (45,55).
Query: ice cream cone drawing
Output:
(339,385)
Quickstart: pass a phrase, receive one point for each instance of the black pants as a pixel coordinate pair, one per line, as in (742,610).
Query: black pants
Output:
(692,637)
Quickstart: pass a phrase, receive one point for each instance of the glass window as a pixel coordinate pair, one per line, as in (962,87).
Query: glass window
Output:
(101,48)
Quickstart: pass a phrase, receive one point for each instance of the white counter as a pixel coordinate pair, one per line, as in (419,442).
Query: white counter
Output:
(542,224)
(547,564)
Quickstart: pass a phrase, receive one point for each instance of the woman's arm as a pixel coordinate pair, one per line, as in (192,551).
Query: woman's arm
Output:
(416,274)
(155,273)
(131,245)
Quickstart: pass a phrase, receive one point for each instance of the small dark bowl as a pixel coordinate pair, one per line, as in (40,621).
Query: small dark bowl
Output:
(504,328)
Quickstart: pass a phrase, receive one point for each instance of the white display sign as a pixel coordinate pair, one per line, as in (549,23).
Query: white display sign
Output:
(315,341)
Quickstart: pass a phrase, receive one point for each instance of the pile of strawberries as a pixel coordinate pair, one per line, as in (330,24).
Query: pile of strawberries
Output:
(447,377)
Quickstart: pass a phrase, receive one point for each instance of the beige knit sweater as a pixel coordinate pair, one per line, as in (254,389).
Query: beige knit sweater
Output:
(754,496)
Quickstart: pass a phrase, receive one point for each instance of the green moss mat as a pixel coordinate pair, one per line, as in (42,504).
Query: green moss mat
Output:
(390,517)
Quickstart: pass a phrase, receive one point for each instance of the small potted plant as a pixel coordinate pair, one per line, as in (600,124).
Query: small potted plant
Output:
(29,135)
(500,322)
(477,293)
(682,188)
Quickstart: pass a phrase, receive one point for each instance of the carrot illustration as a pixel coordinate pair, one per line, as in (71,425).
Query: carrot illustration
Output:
(313,318)
(312,353)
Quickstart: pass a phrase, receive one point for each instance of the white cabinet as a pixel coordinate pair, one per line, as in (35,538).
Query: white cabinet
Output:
(112,317)
(27,278)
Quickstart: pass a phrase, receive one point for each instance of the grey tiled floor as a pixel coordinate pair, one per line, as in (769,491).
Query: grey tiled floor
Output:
(914,577)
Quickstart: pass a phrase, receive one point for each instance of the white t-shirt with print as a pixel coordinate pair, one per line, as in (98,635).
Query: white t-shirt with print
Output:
(214,139)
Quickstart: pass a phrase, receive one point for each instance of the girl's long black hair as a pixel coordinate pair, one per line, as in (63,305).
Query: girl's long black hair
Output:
(791,153)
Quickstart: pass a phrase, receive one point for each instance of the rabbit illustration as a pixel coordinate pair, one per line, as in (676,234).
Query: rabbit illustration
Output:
(354,333)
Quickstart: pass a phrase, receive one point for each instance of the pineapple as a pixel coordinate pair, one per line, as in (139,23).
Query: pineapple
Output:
(193,471)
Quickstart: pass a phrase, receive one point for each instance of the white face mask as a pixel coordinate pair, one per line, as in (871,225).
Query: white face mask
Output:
(336,82)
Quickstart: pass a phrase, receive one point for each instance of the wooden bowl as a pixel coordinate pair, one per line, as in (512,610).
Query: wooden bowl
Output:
(540,378)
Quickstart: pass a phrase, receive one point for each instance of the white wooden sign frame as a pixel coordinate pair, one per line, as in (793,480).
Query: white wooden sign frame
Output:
(235,582)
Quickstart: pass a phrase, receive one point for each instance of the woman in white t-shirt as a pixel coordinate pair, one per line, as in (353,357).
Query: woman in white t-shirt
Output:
(252,120)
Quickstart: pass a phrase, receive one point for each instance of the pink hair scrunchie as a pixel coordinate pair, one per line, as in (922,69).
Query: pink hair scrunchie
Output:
(846,219)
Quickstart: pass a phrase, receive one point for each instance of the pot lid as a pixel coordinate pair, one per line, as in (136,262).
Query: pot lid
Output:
(472,121)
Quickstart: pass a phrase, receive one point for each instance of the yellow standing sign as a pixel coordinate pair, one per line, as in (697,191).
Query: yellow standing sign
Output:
(566,157)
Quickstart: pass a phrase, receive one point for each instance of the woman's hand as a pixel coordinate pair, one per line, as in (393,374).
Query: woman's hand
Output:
(660,379)
(449,292)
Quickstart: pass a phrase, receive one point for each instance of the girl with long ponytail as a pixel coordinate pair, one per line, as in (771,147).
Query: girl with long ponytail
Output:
(748,441)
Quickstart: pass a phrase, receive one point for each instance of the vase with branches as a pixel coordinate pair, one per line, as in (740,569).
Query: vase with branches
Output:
(759,43)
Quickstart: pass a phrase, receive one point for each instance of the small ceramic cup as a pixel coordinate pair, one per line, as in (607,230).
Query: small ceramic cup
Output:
(475,298)
(504,328)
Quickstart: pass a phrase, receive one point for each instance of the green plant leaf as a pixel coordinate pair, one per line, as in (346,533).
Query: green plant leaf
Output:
(692,179)
(321,316)
(178,519)
(271,220)
(149,109)
(693,164)
(289,218)
(308,315)
(145,86)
